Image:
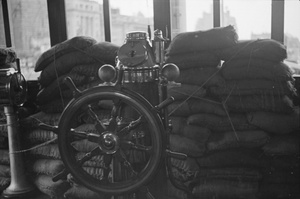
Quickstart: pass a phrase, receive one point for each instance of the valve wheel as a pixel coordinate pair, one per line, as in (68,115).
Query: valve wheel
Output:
(126,143)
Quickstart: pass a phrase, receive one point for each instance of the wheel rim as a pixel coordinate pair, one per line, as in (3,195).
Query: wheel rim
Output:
(126,145)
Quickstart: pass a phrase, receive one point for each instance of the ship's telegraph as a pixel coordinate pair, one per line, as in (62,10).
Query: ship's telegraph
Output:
(139,61)
(13,86)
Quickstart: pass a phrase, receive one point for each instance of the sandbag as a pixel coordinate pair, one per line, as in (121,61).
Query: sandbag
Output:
(174,193)
(187,146)
(231,139)
(193,106)
(84,145)
(4,171)
(268,49)
(232,158)
(53,90)
(33,121)
(282,145)
(4,156)
(55,106)
(205,77)
(194,60)
(81,192)
(255,87)
(101,53)
(49,167)
(3,142)
(256,69)
(37,136)
(235,121)
(281,176)
(200,40)
(4,183)
(7,55)
(248,103)
(54,190)
(180,127)
(184,91)
(276,123)
(219,188)
(279,191)
(69,46)
(47,151)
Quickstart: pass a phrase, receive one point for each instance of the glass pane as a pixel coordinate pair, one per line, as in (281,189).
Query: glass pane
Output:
(191,15)
(292,33)
(85,18)
(30,32)
(2,34)
(251,18)
(130,15)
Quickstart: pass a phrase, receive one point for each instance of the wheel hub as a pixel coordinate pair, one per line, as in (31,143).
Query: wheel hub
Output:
(109,142)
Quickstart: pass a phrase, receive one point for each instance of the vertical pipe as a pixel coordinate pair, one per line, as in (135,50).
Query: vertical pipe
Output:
(6,23)
(107,24)
(277,20)
(19,185)
(216,13)
(162,17)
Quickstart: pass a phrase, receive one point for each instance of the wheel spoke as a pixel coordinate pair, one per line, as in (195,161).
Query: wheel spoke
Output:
(131,126)
(130,145)
(99,124)
(117,105)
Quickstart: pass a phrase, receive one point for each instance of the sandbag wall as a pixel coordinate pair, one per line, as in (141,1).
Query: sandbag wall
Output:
(78,58)
(238,124)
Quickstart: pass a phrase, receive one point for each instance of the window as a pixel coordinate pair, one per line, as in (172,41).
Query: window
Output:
(191,15)
(29,29)
(252,19)
(292,33)
(84,22)
(130,15)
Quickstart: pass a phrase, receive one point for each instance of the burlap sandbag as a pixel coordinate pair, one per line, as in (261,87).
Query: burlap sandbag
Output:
(215,38)
(222,188)
(247,103)
(236,121)
(205,77)
(232,158)
(174,193)
(101,53)
(282,145)
(3,129)
(69,46)
(4,183)
(7,55)
(255,87)
(184,91)
(49,167)
(277,123)
(180,127)
(54,190)
(33,121)
(268,49)
(37,136)
(200,59)
(55,106)
(3,142)
(95,161)
(47,151)
(193,106)
(4,156)
(52,91)
(81,192)
(281,176)
(4,171)
(256,69)
(184,170)
(230,139)
(279,190)
(187,146)
(84,145)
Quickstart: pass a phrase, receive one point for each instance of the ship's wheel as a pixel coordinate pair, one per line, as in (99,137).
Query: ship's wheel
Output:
(126,142)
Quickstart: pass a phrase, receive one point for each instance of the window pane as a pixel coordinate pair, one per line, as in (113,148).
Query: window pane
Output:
(292,33)
(130,15)
(251,18)
(29,31)
(85,18)
(191,15)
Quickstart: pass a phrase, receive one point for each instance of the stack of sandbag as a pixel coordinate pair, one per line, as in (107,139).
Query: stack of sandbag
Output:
(78,58)
(260,86)
(42,157)
(4,156)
